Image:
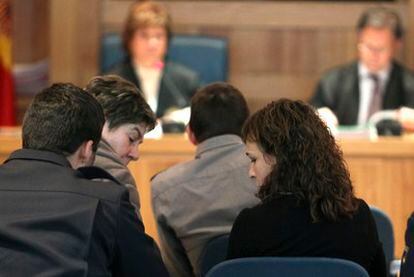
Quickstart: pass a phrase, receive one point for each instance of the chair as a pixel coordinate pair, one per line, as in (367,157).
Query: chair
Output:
(385,234)
(111,51)
(214,253)
(206,55)
(287,267)
(407,265)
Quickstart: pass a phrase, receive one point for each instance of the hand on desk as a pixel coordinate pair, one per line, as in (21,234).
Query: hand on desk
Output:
(403,115)
(406,118)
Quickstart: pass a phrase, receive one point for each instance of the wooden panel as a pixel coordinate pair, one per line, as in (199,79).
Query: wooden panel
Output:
(409,35)
(74,31)
(259,89)
(10,140)
(247,14)
(30,40)
(30,30)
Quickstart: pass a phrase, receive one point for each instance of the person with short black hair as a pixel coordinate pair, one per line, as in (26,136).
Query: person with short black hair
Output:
(127,118)
(350,94)
(308,208)
(55,221)
(79,120)
(198,200)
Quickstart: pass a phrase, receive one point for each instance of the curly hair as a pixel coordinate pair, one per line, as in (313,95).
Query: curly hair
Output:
(309,164)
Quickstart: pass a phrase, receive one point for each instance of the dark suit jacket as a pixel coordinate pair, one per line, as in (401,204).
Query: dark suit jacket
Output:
(178,84)
(407,265)
(339,90)
(55,222)
(284,228)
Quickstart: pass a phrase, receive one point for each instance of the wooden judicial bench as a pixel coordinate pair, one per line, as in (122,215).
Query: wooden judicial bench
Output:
(382,172)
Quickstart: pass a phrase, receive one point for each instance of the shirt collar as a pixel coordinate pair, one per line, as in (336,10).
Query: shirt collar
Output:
(39,155)
(382,74)
(217,142)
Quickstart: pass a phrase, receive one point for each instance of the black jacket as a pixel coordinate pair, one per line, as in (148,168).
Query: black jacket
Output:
(56,222)
(339,91)
(284,228)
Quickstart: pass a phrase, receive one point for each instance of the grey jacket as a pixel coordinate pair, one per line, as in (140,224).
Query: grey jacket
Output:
(198,200)
(107,159)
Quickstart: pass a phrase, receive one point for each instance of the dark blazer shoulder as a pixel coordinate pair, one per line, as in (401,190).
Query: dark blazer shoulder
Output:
(407,76)
(335,74)
(185,78)
(125,70)
(179,70)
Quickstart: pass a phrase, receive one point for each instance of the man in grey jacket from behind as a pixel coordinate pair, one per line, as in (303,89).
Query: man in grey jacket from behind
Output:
(198,200)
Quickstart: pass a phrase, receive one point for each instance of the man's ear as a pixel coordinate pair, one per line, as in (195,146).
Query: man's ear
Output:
(191,135)
(83,156)
(88,153)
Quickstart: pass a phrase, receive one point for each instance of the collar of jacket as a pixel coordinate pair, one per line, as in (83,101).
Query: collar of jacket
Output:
(39,155)
(217,142)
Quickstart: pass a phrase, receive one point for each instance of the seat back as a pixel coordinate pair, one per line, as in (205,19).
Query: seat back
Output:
(111,51)
(287,267)
(206,55)
(214,253)
(407,265)
(385,233)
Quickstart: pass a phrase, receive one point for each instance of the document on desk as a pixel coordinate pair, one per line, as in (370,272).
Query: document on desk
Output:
(356,132)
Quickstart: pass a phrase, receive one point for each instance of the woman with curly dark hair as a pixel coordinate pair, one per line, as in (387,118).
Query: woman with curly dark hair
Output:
(308,206)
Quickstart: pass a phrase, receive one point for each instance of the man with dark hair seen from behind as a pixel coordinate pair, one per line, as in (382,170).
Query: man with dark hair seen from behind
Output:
(350,94)
(197,201)
(53,220)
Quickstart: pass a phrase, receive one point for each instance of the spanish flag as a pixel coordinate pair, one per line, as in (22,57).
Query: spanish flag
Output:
(7,109)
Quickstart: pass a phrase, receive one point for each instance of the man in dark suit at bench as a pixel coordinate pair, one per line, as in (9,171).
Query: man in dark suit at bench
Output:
(351,93)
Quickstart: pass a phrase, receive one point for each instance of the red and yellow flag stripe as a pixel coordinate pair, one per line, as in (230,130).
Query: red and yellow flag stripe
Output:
(7,108)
